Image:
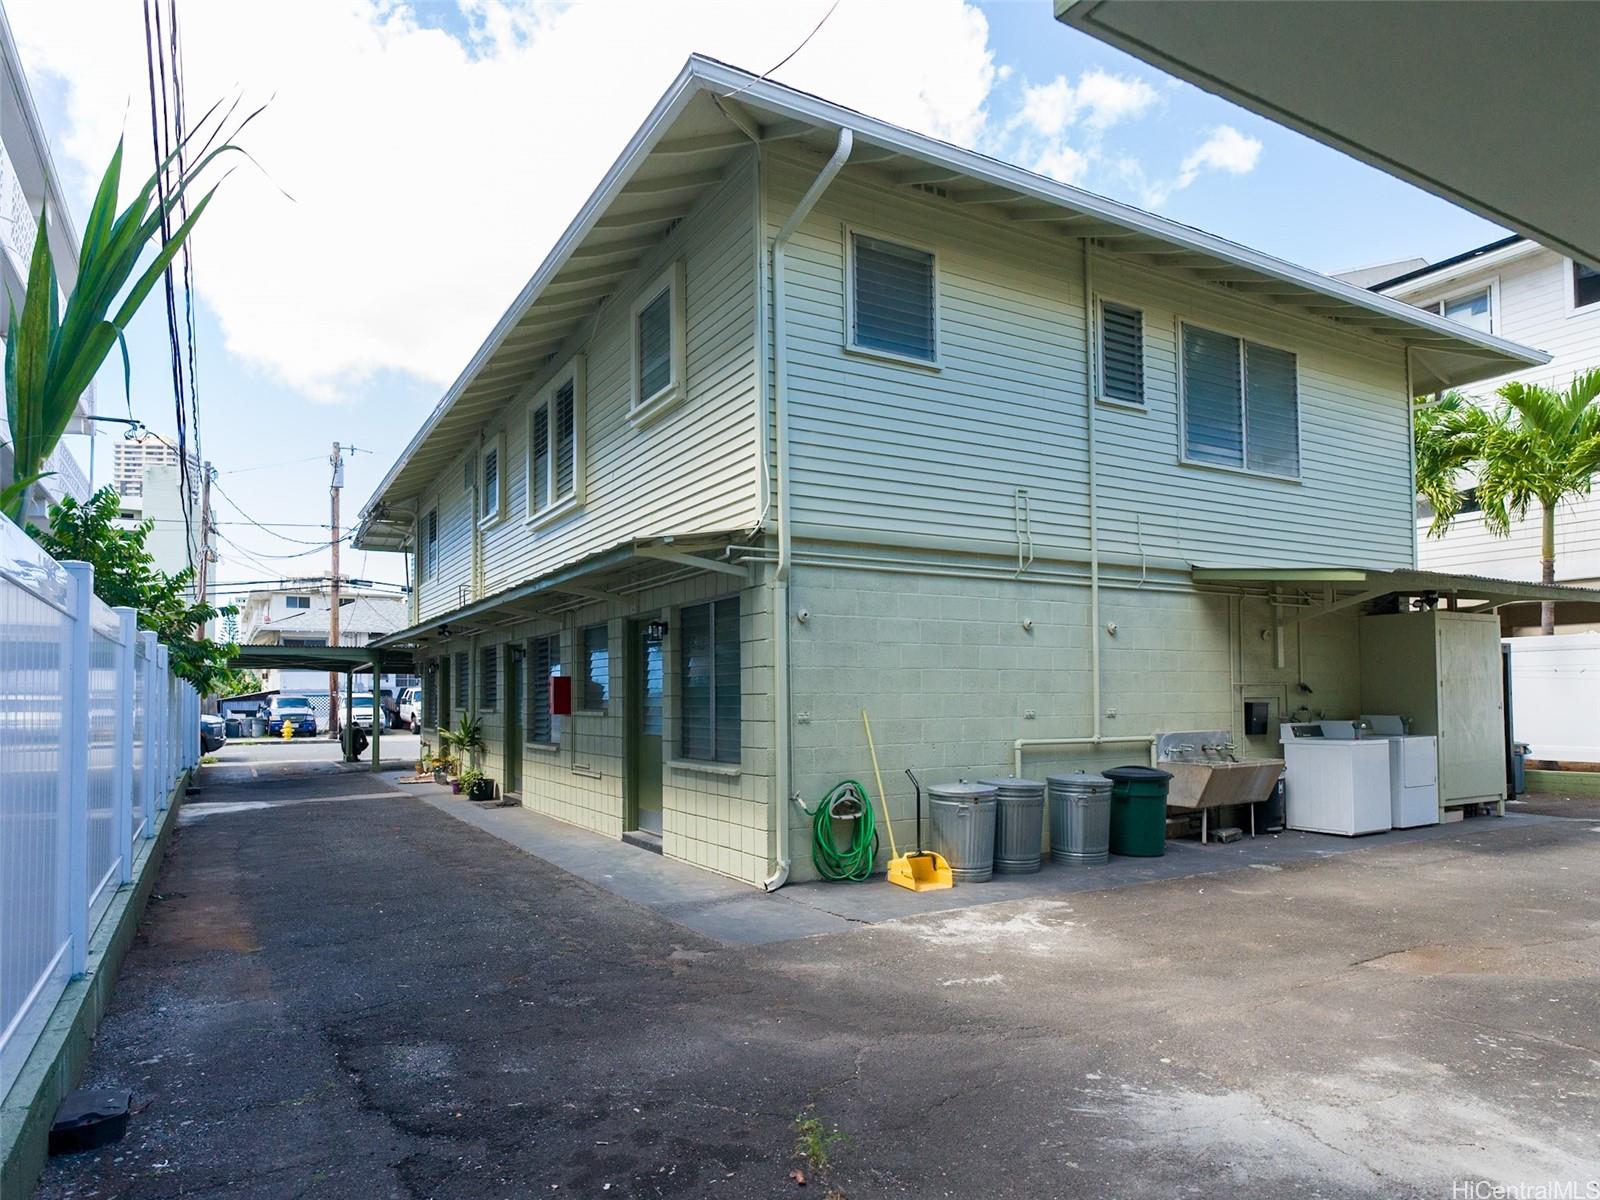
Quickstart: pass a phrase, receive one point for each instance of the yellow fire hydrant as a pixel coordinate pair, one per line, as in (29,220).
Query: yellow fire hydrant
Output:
(288,730)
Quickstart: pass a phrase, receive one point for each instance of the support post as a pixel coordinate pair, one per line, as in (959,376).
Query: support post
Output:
(147,763)
(333,592)
(378,712)
(124,781)
(74,760)
(349,705)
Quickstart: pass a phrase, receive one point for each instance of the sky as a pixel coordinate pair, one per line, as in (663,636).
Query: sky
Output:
(416,160)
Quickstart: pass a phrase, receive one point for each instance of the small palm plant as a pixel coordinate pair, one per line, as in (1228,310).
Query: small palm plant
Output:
(52,353)
(466,739)
(1535,446)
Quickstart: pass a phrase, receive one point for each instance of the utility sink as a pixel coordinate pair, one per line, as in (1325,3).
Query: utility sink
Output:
(1214,784)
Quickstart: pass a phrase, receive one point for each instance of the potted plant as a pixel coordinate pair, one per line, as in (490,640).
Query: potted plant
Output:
(442,764)
(459,783)
(466,739)
(479,788)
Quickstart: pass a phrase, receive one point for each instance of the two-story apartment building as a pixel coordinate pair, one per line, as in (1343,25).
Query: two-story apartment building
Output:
(807,414)
(1517,289)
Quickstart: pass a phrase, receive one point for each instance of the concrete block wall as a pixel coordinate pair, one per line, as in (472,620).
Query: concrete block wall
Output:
(952,675)
(715,816)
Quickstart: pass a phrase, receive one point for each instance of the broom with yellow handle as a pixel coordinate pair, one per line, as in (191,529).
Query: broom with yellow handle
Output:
(921,871)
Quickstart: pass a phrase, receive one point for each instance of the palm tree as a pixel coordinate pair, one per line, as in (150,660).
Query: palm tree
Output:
(1535,446)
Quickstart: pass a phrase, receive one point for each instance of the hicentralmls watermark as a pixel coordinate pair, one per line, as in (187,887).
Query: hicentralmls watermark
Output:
(1548,1189)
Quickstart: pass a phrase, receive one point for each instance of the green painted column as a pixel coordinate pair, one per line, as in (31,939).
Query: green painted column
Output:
(378,713)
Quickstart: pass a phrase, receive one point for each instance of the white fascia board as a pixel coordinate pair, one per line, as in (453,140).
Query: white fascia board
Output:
(666,111)
(802,106)
(1430,280)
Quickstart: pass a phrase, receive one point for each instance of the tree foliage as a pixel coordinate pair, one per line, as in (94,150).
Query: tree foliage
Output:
(125,574)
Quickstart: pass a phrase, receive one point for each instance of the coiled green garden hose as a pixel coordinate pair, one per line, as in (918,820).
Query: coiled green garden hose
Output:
(855,861)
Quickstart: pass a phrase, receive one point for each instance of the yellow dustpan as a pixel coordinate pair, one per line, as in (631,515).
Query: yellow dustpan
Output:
(923,870)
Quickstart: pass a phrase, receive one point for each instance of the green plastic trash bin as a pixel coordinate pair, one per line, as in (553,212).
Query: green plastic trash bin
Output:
(1138,811)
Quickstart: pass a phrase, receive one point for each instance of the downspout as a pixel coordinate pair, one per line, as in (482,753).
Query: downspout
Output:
(780,576)
(1411,460)
(1091,403)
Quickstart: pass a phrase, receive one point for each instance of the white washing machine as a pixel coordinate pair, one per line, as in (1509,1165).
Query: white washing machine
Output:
(1413,772)
(1335,782)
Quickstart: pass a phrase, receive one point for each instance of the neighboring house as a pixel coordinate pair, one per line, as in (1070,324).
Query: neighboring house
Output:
(29,185)
(806,413)
(295,613)
(1519,290)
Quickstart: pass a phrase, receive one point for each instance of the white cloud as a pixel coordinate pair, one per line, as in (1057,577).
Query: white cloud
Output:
(1099,99)
(1226,150)
(430,176)
(1063,163)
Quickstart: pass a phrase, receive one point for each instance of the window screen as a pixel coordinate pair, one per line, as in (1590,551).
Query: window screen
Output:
(894,300)
(655,345)
(596,667)
(430,696)
(491,482)
(539,459)
(1470,310)
(489,676)
(1585,285)
(1213,423)
(566,440)
(545,655)
(430,546)
(1271,415)
(1241,406)
(1121,353)
(710,682)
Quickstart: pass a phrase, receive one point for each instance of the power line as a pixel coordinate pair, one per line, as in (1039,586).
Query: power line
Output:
(782,62)
(263,526)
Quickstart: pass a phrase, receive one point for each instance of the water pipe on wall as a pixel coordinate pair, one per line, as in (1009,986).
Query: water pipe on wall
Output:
(780,575)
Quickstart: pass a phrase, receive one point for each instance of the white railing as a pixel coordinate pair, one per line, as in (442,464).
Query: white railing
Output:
(95,733)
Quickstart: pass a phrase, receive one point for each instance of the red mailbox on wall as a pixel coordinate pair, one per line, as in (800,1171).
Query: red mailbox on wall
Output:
(561,695)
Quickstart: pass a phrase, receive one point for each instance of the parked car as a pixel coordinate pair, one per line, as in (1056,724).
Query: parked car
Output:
(213,735)
(295,709)
(411,708)
(361,707)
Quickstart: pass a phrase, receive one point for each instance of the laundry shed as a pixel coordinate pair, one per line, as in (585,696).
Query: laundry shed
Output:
(1429,655)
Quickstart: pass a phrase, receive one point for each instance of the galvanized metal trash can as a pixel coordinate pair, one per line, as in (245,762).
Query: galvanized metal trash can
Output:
(1018,824)
(1080,818)
(963,828)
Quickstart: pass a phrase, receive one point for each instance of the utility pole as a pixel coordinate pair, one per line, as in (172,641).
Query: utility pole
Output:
(203,563)
(333,595)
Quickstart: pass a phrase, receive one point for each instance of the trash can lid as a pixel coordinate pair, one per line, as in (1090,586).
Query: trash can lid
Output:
(972,792)
(1012,783)
(1079,779)
(1131,774)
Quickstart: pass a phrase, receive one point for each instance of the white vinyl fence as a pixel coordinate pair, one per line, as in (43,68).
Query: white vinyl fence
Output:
(94,733)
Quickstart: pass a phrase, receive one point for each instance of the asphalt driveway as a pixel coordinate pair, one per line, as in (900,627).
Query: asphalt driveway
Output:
(343,992)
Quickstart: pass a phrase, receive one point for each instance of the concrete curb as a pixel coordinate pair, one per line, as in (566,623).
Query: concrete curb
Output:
(57,1062)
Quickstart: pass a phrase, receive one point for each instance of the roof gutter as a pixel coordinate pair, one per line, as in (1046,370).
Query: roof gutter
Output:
(780,576)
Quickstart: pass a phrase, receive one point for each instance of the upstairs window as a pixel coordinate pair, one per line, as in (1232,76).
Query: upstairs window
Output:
(489,677)
(555,444)
(1121,353)
(891,295)
(658,346)
(297,601)
(1585,286)
(596,665)
(1473,310)
(430,544)
(544,653)
(490,482)
(709,682)
(1241,404)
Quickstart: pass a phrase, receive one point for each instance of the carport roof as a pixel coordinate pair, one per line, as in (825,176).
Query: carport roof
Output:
(1358,584)
(320,658)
